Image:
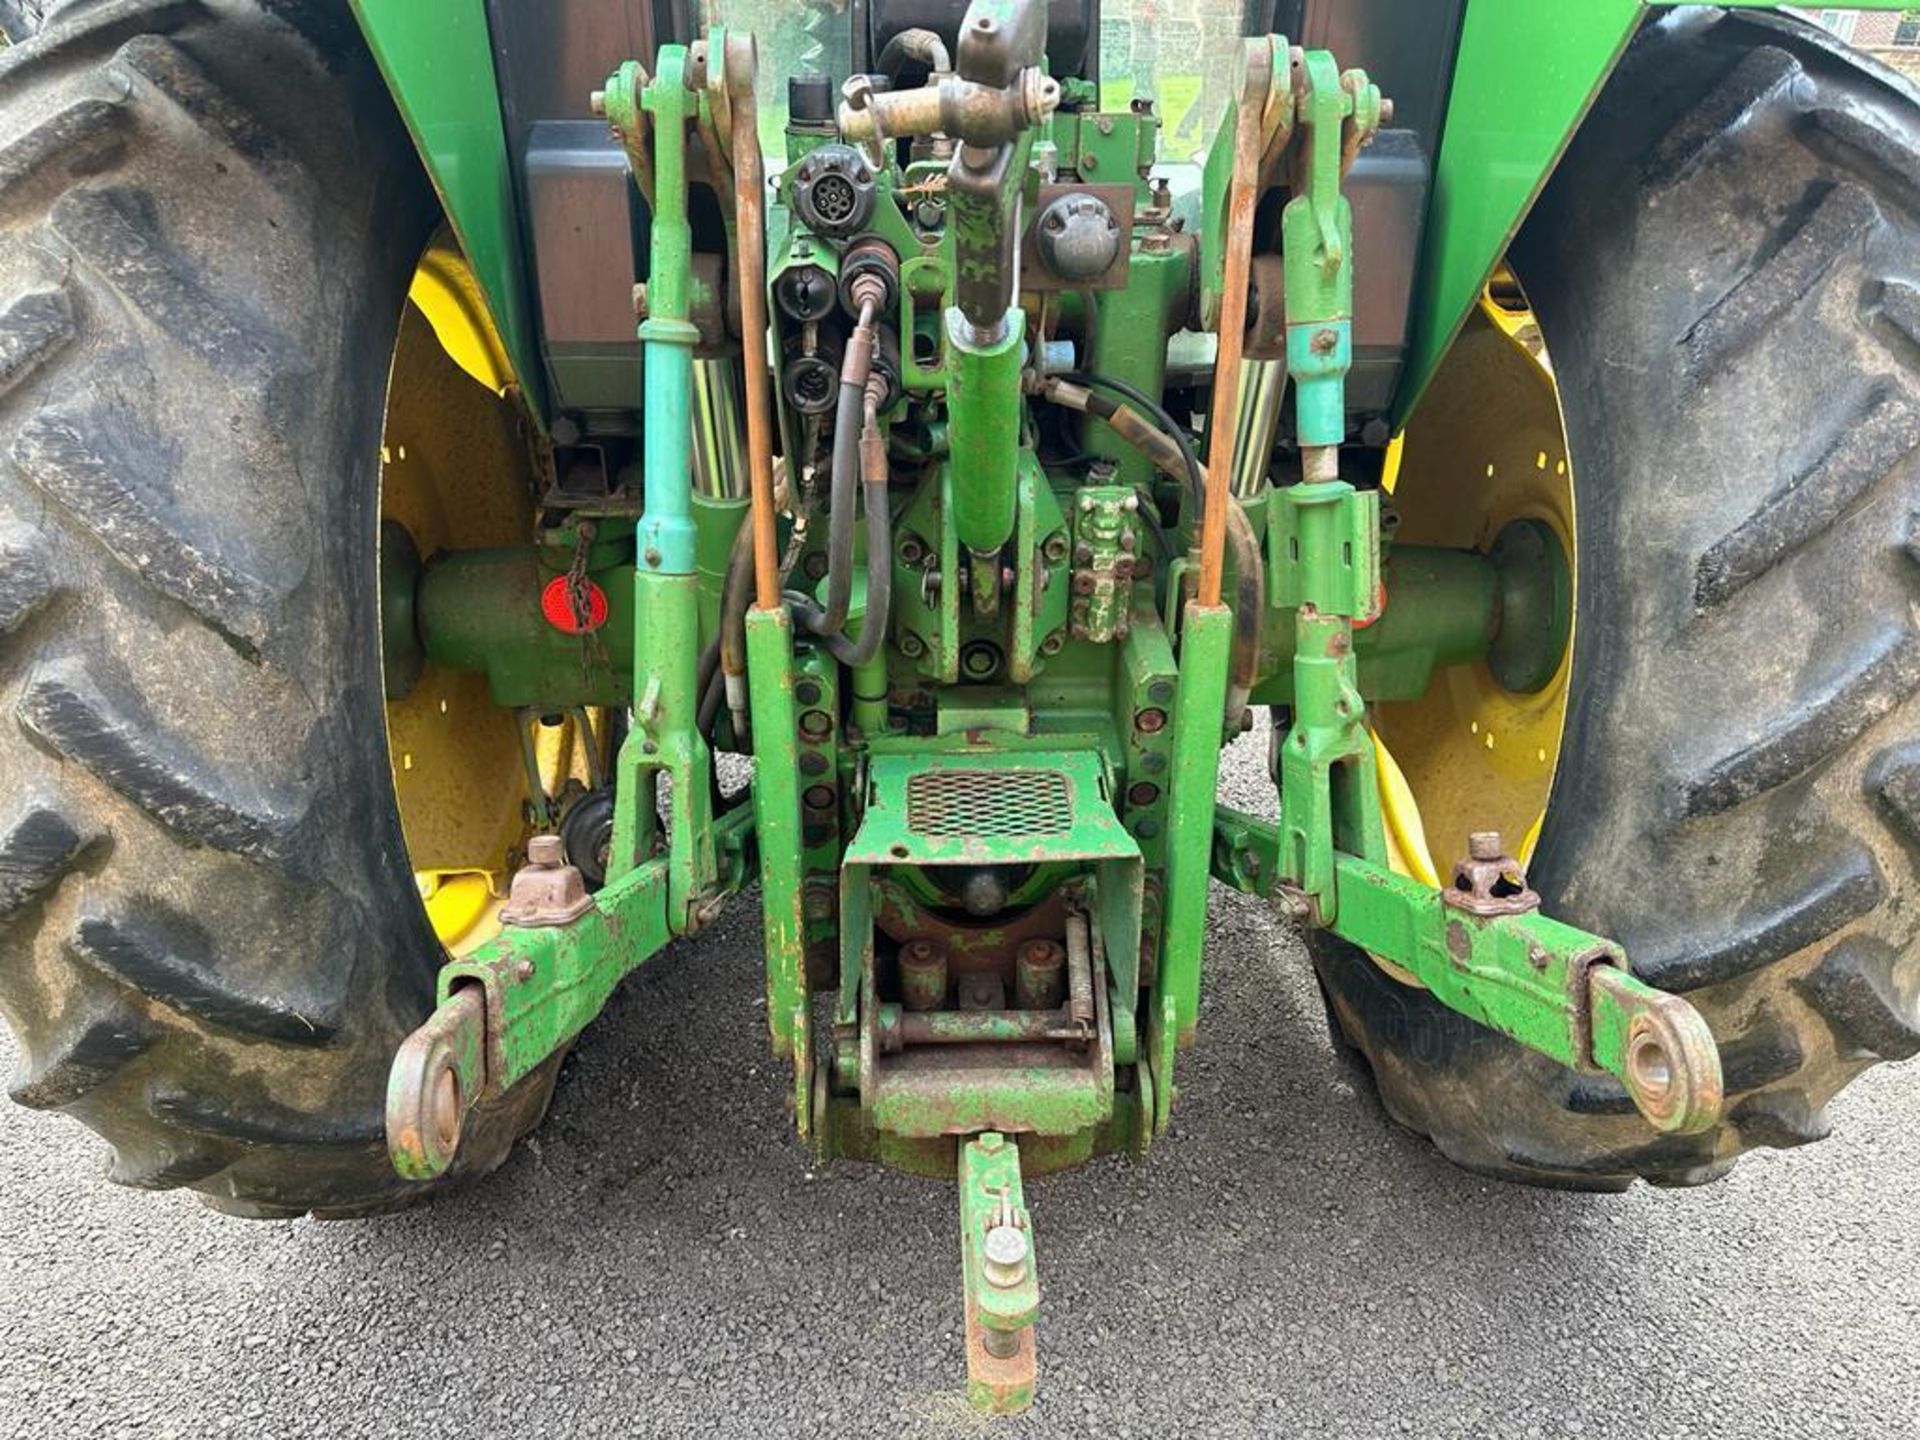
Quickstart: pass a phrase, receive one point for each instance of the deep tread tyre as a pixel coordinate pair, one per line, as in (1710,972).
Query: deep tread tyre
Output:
(1725,270)
(210,945)
(20,18)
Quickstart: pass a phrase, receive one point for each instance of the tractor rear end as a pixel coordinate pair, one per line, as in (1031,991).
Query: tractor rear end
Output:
(914,423)
(984,656)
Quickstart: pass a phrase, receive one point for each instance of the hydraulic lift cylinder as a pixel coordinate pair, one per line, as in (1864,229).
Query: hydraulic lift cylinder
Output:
(983,430)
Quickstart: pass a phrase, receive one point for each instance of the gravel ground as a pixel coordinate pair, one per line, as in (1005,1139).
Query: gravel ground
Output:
(661,1258)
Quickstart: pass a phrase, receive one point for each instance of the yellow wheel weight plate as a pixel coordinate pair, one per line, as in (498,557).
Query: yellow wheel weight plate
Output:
(456,472)
(1486,447)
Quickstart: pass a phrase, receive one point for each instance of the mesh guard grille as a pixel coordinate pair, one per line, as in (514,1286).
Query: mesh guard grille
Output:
(987,803)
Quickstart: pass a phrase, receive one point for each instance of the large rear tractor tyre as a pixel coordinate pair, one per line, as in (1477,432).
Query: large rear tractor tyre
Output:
(1726,271)
(211,945)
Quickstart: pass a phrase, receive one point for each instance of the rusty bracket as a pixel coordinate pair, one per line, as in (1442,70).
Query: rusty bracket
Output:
(1490,881)
(546,890)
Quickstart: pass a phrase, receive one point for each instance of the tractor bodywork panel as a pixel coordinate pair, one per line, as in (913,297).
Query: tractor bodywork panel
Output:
(495,93)
(438,59)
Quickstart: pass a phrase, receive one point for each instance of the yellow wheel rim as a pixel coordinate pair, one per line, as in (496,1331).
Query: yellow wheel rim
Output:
(1486,448)
(457,473)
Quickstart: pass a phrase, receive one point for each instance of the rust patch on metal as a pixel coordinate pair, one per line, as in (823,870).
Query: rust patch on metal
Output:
(1006,1379)
(970,946)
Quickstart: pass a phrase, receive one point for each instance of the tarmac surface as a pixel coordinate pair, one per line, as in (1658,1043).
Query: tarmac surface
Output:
(661,1258)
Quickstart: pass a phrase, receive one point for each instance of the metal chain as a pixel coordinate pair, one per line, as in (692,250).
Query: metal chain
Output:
(580,603)
(579,598)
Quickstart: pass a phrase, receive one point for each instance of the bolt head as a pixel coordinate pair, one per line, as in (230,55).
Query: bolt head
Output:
(547,852)
(1485,845)
(1005,1254)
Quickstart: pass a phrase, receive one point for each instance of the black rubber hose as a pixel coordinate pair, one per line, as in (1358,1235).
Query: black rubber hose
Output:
(1249,567)
(712,691)
(873,628)
(1249,604)
(854,370)
(1089,319)
(709,668)
(925,46)
(735,596)
(1154,411)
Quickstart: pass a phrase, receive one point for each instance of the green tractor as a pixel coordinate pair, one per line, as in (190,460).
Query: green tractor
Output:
(483,482)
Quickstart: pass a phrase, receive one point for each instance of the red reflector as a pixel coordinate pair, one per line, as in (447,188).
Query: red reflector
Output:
(557,606)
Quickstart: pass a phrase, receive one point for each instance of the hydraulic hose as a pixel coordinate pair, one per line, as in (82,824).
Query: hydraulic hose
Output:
(1154,411)
(723,664)
(873,475)
(855,368)
(735,596)
(711,694)
(926,46)
(1249,600)
(709,668)
(1169,448)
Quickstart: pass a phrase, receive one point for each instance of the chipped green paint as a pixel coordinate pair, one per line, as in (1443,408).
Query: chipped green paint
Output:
(776,811)
(1199,698)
